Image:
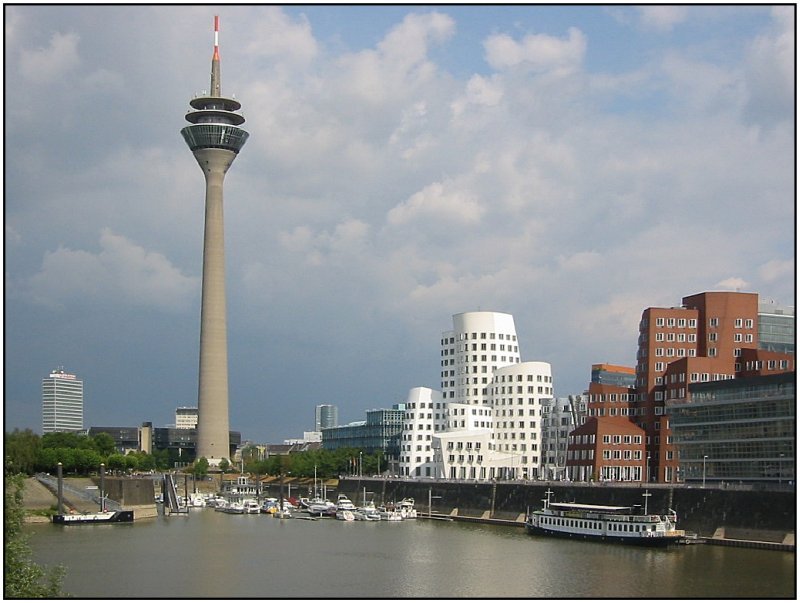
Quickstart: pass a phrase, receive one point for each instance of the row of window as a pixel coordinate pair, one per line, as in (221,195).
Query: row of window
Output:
(474,335)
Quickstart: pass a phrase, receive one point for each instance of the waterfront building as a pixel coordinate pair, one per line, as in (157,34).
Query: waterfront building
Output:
(776,330)
(62,402)
(737,430)
(215,139)
(424,417)
(325,416)
(517,398)
(380,431)
(186,417)
(607,449)
(559,417)
(485,423)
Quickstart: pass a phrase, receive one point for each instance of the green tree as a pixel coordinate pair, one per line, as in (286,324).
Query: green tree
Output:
(116,462)
(200,468)
(23,579)
(224,465)
(21,451)
(104,444)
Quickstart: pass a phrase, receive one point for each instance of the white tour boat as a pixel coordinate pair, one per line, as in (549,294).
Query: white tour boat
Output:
(603,522)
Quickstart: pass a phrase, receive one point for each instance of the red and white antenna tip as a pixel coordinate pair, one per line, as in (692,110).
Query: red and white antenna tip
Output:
(216,37)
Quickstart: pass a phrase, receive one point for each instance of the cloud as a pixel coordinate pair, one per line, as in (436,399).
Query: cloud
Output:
(662,18)
(443,203)
(733,282)
(279,38)
(776,270)
(54,62)
(122,273)
(541,52)
(770,71)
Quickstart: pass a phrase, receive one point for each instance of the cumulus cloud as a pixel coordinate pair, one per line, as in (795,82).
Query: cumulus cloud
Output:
(541,52)
(56,61)
(662,18)
(122,273)
(276,35)
(734,282)
(439,201)
(775,270)
(770,71)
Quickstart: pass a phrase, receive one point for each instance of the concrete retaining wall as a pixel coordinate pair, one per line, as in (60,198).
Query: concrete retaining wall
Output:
(699,510)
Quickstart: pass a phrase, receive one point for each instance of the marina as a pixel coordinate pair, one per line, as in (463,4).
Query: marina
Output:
(202,557)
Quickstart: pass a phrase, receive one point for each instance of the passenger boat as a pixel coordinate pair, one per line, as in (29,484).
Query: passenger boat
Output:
(100,517)
(602,522)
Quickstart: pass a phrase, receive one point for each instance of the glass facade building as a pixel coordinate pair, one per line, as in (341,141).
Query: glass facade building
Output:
(737,430)
(381,431)
(776,328)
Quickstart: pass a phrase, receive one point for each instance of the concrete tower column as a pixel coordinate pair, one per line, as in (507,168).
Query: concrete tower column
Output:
(212,404)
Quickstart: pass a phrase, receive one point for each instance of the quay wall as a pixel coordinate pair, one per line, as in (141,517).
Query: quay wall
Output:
(700,510)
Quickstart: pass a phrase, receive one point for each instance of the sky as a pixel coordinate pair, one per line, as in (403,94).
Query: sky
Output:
(569,165)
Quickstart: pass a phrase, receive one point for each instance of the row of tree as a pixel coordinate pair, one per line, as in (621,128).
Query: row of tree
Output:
(27,452)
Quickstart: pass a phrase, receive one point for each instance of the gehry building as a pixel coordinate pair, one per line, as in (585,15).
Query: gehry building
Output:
(485,423)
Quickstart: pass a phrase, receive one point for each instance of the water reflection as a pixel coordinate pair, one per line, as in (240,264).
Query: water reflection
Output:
(215,555)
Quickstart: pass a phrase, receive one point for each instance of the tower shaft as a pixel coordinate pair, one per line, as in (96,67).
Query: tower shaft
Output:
(212,404)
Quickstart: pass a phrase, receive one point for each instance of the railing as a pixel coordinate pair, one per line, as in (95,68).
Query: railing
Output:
(51,483)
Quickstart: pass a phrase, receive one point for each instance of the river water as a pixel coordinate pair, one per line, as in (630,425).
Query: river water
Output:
(216,555)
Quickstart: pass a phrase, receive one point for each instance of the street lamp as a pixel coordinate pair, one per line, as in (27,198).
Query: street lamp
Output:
(705,456)
(780,471)
(360,463)
(648,467)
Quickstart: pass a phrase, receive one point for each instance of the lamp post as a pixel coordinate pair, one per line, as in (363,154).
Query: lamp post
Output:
(648,467)
(705,456)
(780,470)
(360,463)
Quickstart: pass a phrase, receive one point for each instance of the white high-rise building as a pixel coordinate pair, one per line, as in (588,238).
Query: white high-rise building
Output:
(479,344)
(516,398)
(424,416)
(62,402)
(486,423)
(186,417)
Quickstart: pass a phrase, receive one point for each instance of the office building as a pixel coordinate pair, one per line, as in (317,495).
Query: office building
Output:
(737,430)
(325,416)
(485,423)
(381,431)
(215,139)
(775,327)
(62,402)
(186,417)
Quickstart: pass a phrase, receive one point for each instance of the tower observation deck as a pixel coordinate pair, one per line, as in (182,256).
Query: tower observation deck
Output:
(215,139)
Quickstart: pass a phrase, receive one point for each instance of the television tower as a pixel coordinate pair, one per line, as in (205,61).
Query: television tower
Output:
(215,139)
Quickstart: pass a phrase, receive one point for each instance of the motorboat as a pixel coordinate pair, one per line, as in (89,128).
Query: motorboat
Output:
(406,508)
(368,512)
(319,506)
(345,515)
(251,506)
(387,514)
(344,504)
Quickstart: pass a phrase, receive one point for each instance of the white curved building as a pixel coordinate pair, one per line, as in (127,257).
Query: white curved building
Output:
(424,416)
(478,344)
(516,397)
(486,422)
